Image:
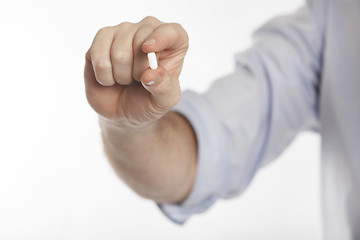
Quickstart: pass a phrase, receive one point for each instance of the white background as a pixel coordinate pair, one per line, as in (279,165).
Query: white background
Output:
(55,182)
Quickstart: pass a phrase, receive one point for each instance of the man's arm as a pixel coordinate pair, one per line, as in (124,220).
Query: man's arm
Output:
(246,119)
(158,161)
(153,150)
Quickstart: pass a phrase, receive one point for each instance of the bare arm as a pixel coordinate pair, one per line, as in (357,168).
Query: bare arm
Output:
(151,148)
(157,161)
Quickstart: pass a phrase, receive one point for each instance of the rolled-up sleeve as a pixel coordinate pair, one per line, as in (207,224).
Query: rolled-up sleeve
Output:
(247,118)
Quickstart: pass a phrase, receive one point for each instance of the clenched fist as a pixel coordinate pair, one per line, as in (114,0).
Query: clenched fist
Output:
(120,86)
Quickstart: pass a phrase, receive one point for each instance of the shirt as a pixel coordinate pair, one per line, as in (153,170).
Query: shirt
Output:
(302,73)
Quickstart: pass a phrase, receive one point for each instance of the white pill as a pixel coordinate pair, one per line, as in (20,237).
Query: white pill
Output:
(152,60)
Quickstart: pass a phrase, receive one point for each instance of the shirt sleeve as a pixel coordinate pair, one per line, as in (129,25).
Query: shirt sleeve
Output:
(246,119)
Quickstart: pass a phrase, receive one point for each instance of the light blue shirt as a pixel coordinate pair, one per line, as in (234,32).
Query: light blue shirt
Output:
(302,73)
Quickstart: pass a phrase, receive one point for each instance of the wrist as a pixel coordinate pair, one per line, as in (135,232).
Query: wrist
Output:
(125,126)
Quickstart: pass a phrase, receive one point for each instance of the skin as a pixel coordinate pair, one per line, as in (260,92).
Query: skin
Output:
(151,148)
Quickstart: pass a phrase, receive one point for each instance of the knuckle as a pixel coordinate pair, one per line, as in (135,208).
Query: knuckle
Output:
(180,31)
(179,28)
(173,29)
(176,27)
(125,25)
(150,19)
(101,65)
(122,57)
(105,31)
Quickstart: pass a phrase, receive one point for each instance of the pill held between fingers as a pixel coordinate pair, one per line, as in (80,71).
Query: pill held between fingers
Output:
(152,60)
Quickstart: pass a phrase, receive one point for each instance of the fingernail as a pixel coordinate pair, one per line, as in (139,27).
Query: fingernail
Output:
(149,42)
(152,82)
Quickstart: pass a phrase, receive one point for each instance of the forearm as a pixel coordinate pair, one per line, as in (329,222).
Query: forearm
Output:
(157,161)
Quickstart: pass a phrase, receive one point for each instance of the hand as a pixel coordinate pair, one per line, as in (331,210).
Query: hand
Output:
(120,86)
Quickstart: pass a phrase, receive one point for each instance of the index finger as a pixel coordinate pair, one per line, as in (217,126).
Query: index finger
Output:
(169,36)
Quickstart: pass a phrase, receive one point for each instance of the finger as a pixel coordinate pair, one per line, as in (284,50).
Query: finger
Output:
(140,59)
(165,91)
(98,96)
(122,53)
(100,56)
(166,36)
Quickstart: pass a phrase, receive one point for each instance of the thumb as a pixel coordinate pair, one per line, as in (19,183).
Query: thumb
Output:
(165,90)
